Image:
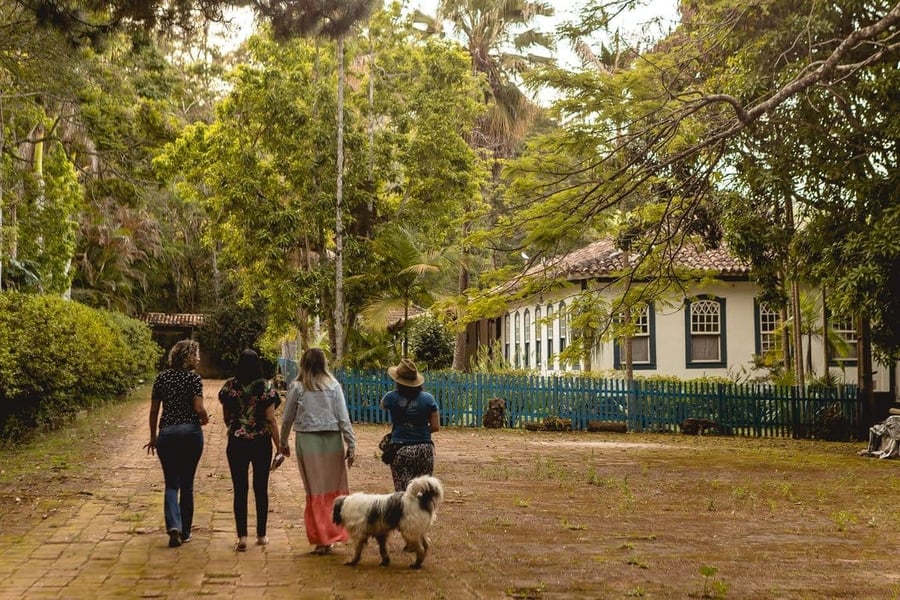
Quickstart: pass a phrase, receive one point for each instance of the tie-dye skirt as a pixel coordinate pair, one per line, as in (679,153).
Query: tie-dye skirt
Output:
(320,457)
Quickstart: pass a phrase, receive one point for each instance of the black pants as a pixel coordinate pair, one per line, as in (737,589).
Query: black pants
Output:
(241,454)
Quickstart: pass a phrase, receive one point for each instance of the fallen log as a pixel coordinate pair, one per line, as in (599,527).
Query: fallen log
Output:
(611,426)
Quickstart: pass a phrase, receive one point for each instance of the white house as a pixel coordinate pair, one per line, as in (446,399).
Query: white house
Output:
(712,329)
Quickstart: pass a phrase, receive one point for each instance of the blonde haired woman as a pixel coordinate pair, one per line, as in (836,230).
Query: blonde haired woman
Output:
(317,412)
(179,443)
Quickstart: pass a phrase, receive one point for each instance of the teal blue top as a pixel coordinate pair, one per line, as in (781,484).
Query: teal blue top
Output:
(410,417)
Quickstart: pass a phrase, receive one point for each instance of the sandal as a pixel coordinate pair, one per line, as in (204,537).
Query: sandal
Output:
(262,540)
(241,545)
(321,550)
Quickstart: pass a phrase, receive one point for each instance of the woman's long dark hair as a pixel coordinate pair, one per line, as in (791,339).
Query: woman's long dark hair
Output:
(249,368)
(410,393)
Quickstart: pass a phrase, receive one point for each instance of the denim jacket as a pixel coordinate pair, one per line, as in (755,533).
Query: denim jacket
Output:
(317,410)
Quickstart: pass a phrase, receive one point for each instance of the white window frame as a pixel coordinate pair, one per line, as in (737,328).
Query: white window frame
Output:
(705,322)
(768,323)
(563,330)
(846,330)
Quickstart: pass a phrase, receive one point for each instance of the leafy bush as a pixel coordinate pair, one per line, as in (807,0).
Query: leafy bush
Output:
(231,329)
(59,356)
(431,343)
(145,353)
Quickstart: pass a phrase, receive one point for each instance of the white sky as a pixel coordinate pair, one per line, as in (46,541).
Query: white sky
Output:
(652,19)
(637,22)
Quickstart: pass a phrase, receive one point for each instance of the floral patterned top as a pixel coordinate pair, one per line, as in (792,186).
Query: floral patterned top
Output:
(247,407)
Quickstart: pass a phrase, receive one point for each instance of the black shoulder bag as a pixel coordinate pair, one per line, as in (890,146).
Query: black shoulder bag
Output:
(387,447)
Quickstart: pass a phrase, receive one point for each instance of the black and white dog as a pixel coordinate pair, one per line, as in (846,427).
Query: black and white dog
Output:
(376,515)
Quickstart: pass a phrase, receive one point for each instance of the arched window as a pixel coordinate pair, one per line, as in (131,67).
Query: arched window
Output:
(562,317)
(705,332)
(516,340)
(506,338)
(537,337)
(526,345)
(768,322)
(550,321)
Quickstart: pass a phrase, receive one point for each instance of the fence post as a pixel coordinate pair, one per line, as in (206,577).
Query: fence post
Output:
(720,400)
(795,414)
(634,409)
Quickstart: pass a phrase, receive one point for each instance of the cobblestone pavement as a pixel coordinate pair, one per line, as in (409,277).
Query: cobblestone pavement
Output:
(109,540)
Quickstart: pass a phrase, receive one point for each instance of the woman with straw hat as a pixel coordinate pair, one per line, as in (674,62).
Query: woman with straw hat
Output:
(415,416)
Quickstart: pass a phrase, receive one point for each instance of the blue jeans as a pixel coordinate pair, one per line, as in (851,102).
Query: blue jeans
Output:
(179,448)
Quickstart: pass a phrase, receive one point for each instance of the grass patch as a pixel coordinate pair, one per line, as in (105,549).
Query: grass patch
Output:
(63,451)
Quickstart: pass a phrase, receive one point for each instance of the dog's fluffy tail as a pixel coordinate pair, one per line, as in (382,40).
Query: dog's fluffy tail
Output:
(428,490)
(336,510)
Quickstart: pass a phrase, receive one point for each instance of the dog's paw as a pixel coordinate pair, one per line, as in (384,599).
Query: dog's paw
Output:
(415,565)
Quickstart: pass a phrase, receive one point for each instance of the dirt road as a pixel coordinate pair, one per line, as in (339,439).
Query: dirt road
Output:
(527,515)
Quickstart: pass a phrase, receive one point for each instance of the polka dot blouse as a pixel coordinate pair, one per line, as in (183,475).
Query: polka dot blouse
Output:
(176,389)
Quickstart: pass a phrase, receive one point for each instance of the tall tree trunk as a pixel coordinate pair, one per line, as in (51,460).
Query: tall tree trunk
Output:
(785,341)
(864,370)
(40,200)
(404,351)
(795,301)
(797,334)
(627,349)
(462,284)
(338,215)
(37,166)
(587,358)
(371,126)
(2,148)
(626,340)
(826,347)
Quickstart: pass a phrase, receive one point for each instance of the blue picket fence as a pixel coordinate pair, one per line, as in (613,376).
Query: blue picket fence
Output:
(738,409)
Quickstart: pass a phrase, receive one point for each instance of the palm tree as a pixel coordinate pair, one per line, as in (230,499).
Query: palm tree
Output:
(333,19)
(498,36)
(410,276)
(814,326)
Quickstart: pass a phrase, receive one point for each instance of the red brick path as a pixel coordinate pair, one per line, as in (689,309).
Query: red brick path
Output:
(109,540)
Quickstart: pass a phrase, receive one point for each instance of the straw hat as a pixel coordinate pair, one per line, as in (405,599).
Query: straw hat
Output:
(406,374)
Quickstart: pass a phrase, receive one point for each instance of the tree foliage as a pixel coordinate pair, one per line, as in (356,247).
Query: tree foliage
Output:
(431,343)
(260,168)
(743,112)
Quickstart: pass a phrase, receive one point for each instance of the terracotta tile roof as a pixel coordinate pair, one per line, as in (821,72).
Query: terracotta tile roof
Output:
(395,316)
(173,320)
(602,258)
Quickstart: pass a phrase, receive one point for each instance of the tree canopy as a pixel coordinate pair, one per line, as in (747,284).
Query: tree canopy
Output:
(135,174)
(744,112)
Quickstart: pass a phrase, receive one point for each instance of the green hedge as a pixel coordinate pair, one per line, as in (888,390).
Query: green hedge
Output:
(58,357)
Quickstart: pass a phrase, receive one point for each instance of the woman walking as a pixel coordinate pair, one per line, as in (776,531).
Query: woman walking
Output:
(248,407)
(179,443)
(415,416)
(315,409)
